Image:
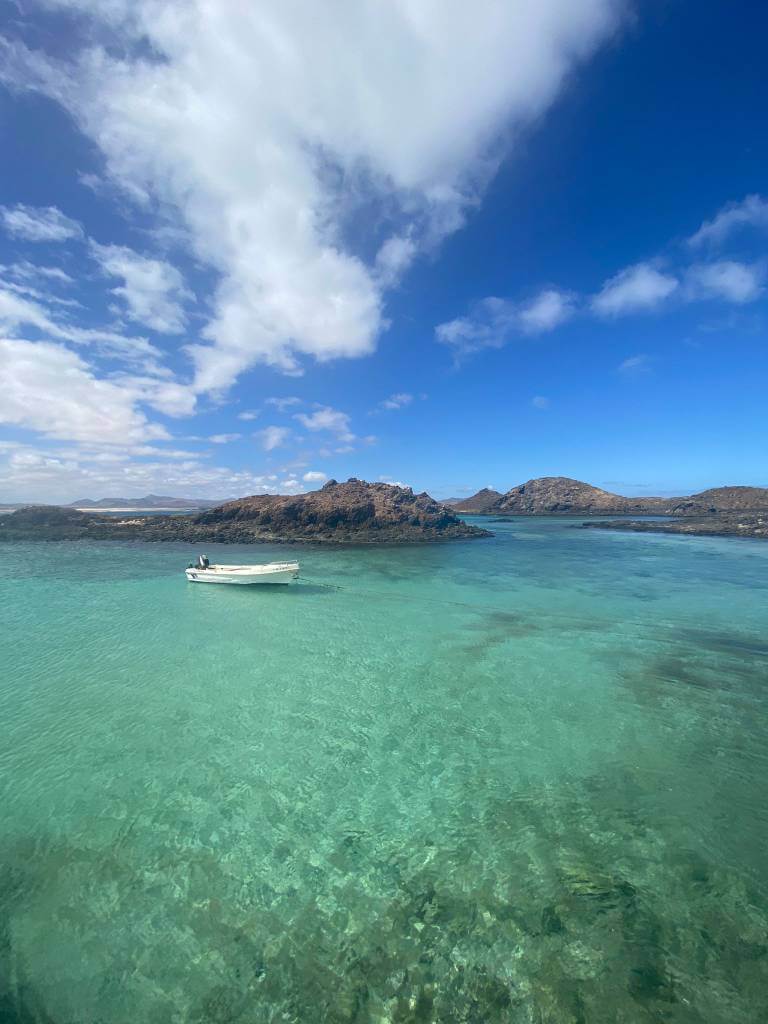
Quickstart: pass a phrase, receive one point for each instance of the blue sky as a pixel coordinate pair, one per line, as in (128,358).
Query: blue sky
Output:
(452,248)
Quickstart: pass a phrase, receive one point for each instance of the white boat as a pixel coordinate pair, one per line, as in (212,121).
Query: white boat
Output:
(270,572)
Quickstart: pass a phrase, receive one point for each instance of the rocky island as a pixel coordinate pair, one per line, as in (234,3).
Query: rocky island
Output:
(557,495)
(354,512)
(718,511)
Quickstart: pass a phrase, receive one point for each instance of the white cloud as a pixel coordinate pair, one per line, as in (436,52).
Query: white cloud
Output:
(325,418)
(39,223)
(273,437)
(393,259)
(387,114)
(314,477)
(548,310)
(725,279)
(26,271)
(750,212)
(397,401)
(153,290)
(224,438)
(490,324)
(64,474)
(281,404)
(249,414)
(636,288)
(540,402)
(635,364)
(18,311)
(48,388)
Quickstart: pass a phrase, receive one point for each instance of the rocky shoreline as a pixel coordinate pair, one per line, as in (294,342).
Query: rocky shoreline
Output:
(719,525)
(354,512)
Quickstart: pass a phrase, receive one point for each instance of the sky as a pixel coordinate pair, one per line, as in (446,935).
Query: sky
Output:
(441,244)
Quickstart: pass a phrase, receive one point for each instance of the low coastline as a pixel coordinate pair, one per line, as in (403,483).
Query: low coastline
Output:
(719,525)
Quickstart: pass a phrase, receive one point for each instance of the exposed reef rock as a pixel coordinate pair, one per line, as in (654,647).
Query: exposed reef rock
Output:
(724,524)
(355,512)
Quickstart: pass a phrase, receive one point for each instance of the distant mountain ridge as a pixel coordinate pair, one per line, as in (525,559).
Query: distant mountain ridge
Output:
(560,495)
(148,501)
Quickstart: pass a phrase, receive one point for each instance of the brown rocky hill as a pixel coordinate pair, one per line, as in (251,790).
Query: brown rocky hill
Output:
(560,494)
(549,495)
(354,512)
(722,499)
(483,501)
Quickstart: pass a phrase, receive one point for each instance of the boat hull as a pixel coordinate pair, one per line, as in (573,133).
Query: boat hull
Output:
(262,575)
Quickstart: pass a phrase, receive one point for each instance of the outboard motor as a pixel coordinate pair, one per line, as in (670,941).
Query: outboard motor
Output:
(202,562)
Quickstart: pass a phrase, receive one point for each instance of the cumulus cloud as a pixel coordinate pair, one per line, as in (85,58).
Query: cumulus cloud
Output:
(636,288)
(314,476)
(48,388)
(273,437)
(39,223)
(249,414)
(750,212)
(395,109)
(328,419)
(153,291)
(725,279)
(548,310)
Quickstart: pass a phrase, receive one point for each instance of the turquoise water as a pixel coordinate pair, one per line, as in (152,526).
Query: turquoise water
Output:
(521,779)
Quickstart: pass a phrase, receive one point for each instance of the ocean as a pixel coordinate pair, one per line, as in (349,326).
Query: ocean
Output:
(519,779)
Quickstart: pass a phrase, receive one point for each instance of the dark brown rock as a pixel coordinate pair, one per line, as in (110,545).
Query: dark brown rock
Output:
(722,524)
(355,512)
(480,503)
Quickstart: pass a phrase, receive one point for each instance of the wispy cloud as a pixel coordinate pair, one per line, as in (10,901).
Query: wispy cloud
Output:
(540,402)
(489,324)
(397,401)
(224,438)
(281,404)
(493,322)
(39,223)
(273,437)
(752,211)
(153,291)
(634,365)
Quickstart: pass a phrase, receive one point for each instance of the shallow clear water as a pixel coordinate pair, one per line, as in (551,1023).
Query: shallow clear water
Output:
(521,779)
